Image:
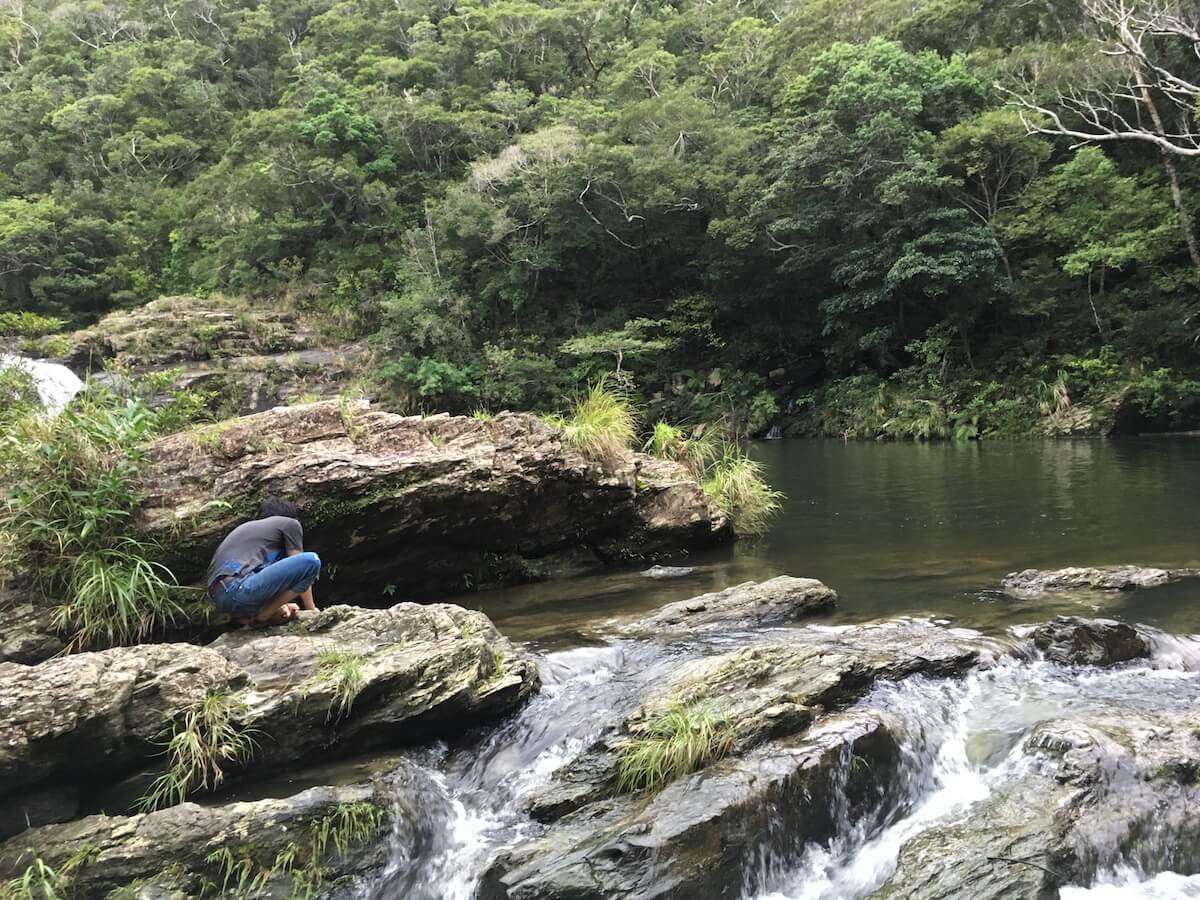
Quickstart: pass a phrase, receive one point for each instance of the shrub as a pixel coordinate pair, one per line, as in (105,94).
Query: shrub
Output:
(740,490)
(683,738)
(66,520)
(28,324)
(603,424)
(208,738)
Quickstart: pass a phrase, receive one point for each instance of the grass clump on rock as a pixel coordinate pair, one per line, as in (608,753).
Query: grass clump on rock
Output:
(303,861)
(343,670)
(209,738)
(727,473)
(40,881)
(683,738)
(66,519)
(603,424)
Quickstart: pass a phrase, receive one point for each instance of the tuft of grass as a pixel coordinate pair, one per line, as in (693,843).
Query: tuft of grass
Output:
(603,424)
(482,415)
(40,881)
(349,825)
(697,451)
(209,738)
(343,669)
(70,488)
(737,485)
(684,738)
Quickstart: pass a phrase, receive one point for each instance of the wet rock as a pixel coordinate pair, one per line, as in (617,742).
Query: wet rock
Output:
(775,690)
(1089,795)
(340,680)
(411,504)
(1089,642)
(668,571)
(699,835)
(189,850)
(749,605)
(1098,578)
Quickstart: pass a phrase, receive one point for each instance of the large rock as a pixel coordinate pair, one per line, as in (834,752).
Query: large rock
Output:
(700,834)
(187,850)
(749,605)
(1089,795)
(1090,642)
(696,837)
(421,503)
(1095,578)
(339,681)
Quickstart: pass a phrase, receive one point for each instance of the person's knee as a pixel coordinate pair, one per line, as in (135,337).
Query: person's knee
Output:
(312,563)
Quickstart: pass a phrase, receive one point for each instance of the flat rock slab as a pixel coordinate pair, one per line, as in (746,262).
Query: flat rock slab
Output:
(413,504)
(418,672)
(1090,642)
(746,606)
(1097,578)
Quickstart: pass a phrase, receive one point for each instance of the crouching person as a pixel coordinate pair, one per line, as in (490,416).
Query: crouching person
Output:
(261,570)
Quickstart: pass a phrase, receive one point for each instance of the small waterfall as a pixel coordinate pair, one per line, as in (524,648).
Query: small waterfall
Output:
(56,384)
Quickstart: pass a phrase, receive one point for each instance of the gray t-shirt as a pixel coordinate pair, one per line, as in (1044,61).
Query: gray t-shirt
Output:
(254,545)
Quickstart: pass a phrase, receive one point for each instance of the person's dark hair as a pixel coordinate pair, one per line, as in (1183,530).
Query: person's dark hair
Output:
(277,506)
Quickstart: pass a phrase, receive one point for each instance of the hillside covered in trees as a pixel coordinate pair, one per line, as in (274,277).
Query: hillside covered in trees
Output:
(832,212)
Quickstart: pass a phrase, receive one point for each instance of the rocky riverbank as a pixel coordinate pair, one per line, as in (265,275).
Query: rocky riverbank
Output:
(746,732)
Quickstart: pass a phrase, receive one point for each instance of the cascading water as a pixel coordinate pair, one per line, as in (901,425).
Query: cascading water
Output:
(963,743)
(56,384)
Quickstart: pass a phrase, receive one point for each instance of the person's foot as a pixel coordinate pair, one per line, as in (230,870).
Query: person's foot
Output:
(282,616)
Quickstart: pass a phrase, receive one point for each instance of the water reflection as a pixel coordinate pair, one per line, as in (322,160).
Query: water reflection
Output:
(913,528)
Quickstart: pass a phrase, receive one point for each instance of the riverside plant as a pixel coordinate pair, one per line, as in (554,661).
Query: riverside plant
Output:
(343,670)
(725,471)
(684,738)
(241,876)
(602,425)
(209,738)
(41,881)
(66,520)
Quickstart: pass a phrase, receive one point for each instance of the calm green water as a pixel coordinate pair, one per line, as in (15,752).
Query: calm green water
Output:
(911,528)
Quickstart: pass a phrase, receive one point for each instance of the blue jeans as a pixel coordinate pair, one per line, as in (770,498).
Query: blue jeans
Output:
(245,595)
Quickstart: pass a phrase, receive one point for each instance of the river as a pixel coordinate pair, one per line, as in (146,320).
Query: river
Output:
(897,529)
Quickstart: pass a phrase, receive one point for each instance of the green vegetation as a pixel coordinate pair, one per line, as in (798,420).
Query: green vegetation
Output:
(603,424)
(18,395)
(39,881)
(751,209)
(302,862)
(737,484)
(209,737)
(684,737)
(342,669)
(66,520)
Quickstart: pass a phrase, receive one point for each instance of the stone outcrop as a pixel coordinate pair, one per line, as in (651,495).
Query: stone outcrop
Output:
(1090,642)
(191,851)
(339,680)
(1099,793)
(1095,578)
(777,601)
(697,836)
(250,356)
(411,504)
(27,632)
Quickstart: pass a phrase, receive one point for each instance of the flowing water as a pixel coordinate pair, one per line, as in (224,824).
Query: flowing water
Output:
(897,529)
(55,383)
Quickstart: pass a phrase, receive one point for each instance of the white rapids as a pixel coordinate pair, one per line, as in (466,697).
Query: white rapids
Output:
(56,384)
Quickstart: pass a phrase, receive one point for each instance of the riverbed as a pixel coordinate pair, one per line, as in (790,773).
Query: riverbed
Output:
(898,530)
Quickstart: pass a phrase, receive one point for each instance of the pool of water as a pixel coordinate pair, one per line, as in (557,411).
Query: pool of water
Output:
(928,528)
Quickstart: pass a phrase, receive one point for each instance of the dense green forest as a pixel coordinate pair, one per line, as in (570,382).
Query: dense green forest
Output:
(828,211)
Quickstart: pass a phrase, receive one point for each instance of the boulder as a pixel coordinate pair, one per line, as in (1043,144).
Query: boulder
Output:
(1089,642)
(1075,578)
(698,837)
(341,680)
(27,632)
(1090,795)
(409,503)
(191,851)
(750,605)
(789,745)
